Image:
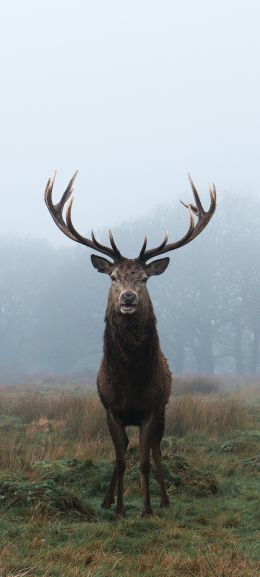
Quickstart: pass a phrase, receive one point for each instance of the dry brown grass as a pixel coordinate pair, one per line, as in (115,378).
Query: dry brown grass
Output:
(55,425)
(209,562)
(80,416)
(81,413)
(196,384)
(249,393)
(212,415)
(19,451)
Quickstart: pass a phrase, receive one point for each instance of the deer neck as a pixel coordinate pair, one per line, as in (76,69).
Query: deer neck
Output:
(130,336)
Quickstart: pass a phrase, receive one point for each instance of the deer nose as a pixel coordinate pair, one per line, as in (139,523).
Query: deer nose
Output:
(128,298)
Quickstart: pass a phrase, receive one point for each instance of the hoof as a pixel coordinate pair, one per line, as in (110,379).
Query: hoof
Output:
(147,513)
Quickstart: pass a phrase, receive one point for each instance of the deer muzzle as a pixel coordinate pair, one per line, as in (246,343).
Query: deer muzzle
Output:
(128,301)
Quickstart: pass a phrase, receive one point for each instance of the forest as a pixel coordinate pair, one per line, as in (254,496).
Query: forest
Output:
(207,302)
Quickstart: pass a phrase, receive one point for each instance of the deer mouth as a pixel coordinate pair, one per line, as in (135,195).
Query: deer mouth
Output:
(127,309)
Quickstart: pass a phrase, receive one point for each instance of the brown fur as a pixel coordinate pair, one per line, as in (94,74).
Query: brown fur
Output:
(134,381)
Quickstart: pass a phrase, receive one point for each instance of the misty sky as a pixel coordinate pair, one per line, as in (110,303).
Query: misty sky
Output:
(134,95)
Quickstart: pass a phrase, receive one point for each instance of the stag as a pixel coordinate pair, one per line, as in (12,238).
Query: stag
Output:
(134,380)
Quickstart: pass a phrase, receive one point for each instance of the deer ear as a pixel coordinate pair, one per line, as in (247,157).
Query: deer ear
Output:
(157,266)
(102,264)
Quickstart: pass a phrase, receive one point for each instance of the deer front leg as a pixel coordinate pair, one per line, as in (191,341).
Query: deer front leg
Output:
(109,498)
(120,442)
(145,466)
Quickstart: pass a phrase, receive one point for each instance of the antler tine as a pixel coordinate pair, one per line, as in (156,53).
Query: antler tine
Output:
(142,251)
(194,229)
(213,195)
(56,209)
(68,192)
(67,227)
(106,250)
(154,251)
(48,190)
(94,244)
(114,247)
(199,206)
(193,208)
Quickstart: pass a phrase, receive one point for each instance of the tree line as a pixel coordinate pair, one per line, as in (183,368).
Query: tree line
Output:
(52,302)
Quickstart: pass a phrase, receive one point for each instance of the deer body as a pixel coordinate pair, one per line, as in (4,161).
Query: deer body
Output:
(134,376)
(134,380)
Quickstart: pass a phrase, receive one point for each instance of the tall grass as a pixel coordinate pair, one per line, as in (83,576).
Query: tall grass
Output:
(196,384)
(81,416)
(197,537)
(212,415)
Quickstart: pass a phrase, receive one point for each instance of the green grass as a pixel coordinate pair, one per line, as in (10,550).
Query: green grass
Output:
(52,524)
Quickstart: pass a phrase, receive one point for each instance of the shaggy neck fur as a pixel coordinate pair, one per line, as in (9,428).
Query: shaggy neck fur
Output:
(131,339)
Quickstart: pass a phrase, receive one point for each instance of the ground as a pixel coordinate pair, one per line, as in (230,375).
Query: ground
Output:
(52,481)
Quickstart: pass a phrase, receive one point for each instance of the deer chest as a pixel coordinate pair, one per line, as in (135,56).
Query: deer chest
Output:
(130,405)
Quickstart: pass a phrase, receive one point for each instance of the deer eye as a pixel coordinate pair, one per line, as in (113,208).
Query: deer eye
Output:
(113,276)
(144,278)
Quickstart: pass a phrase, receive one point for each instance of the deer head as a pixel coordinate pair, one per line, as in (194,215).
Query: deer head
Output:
(128,276)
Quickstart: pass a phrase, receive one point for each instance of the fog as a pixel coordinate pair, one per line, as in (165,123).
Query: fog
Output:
(134,96)
(207,301)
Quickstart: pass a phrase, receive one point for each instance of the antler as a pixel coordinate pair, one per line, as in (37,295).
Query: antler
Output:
(67,227)
(194,229)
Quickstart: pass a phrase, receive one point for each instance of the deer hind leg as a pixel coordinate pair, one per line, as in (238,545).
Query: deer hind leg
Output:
(156,438)
(120,442)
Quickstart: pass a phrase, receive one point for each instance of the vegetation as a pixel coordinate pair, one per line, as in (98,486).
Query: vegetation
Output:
(55,462)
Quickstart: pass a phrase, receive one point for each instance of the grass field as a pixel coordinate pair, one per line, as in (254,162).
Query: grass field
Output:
(55,462)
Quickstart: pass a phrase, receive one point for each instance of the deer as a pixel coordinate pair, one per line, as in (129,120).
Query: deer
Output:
(134,379)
